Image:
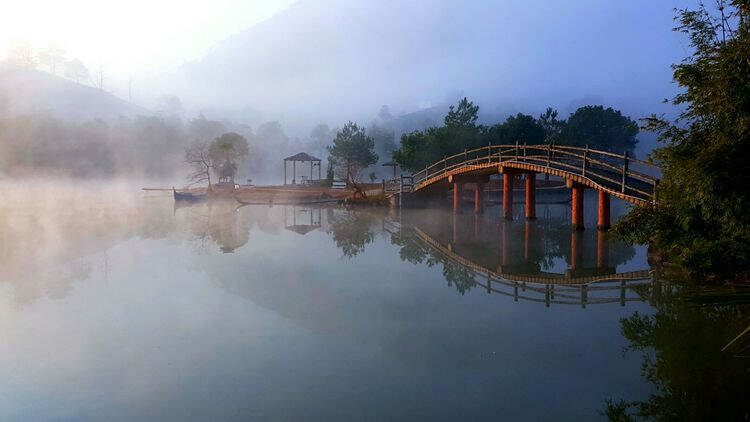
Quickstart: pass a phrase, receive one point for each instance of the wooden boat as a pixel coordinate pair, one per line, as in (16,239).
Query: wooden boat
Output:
(188,196)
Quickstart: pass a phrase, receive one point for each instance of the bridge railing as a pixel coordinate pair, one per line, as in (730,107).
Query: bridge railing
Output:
(620,170)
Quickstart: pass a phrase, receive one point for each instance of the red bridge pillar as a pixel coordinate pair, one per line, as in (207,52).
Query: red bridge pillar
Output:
(479,198)
(577,207)
(531,196)
(456,197)
(508,179)
(603,223)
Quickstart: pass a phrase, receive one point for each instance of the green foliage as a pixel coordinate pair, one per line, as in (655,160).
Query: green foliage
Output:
(329,171)
(702,221)
(225,151)
(521,128)
(600,128)
(352,151)
(552,127)
(421,148)
(383,139)
(465,115)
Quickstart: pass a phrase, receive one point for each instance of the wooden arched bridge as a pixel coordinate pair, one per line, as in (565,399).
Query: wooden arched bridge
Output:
(610,174)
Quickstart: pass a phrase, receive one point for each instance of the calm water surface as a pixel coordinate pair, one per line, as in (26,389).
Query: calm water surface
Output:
(119,306)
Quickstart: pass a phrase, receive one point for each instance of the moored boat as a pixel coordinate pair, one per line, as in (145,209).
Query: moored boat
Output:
(188,196)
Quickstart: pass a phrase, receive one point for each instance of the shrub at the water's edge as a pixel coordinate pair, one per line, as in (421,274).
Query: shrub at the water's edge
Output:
(701,220)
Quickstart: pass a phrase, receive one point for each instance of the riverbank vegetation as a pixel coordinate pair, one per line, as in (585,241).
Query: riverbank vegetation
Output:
(701,221)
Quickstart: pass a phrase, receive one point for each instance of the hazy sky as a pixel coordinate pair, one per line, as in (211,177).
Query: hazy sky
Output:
(316,58)
(131,37)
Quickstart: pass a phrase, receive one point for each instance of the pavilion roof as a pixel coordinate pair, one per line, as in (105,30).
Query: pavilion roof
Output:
(302,156)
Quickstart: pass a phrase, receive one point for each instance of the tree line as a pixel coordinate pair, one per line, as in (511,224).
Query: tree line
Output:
(593,125)
(149,147)
(354,147)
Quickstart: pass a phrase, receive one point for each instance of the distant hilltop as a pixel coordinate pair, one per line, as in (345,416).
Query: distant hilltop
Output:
(28,91)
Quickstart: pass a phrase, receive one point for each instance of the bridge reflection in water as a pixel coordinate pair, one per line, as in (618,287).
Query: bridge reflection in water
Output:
(538,261)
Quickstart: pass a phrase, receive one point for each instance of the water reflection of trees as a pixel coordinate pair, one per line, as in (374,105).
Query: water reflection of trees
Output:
(221,223)
(415,252)
(351,229)
(681,346)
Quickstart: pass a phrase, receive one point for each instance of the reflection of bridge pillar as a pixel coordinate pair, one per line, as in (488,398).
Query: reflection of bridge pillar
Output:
(479,198)
(454,237)
(575,250)
(456,197)
(508,179)
(603,223)
(531,196)
(504,243)
(526,236)
(584,295)
(602,250)
(577,211)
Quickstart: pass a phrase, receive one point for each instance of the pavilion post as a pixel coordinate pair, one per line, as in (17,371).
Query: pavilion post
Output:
(294,172)
(311,166)
(284,172)
(319,166)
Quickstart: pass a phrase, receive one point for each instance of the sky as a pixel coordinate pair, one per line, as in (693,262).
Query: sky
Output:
(130,38)
(334,60)
(339,59)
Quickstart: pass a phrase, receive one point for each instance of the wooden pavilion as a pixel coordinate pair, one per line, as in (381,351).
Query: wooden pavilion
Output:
(301,157)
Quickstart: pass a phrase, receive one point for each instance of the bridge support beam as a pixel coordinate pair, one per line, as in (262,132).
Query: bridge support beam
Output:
(508,182)
(531,196)
(604,213)
(479,198)
(577,207)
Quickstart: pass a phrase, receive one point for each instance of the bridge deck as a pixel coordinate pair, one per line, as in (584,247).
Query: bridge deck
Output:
(599,170)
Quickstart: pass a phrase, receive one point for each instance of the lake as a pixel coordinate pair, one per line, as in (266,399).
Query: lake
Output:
(118,305)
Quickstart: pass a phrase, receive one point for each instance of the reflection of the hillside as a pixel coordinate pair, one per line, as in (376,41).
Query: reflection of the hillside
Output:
(541,261)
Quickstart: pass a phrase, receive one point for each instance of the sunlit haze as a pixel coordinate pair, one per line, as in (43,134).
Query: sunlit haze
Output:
(133,38)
